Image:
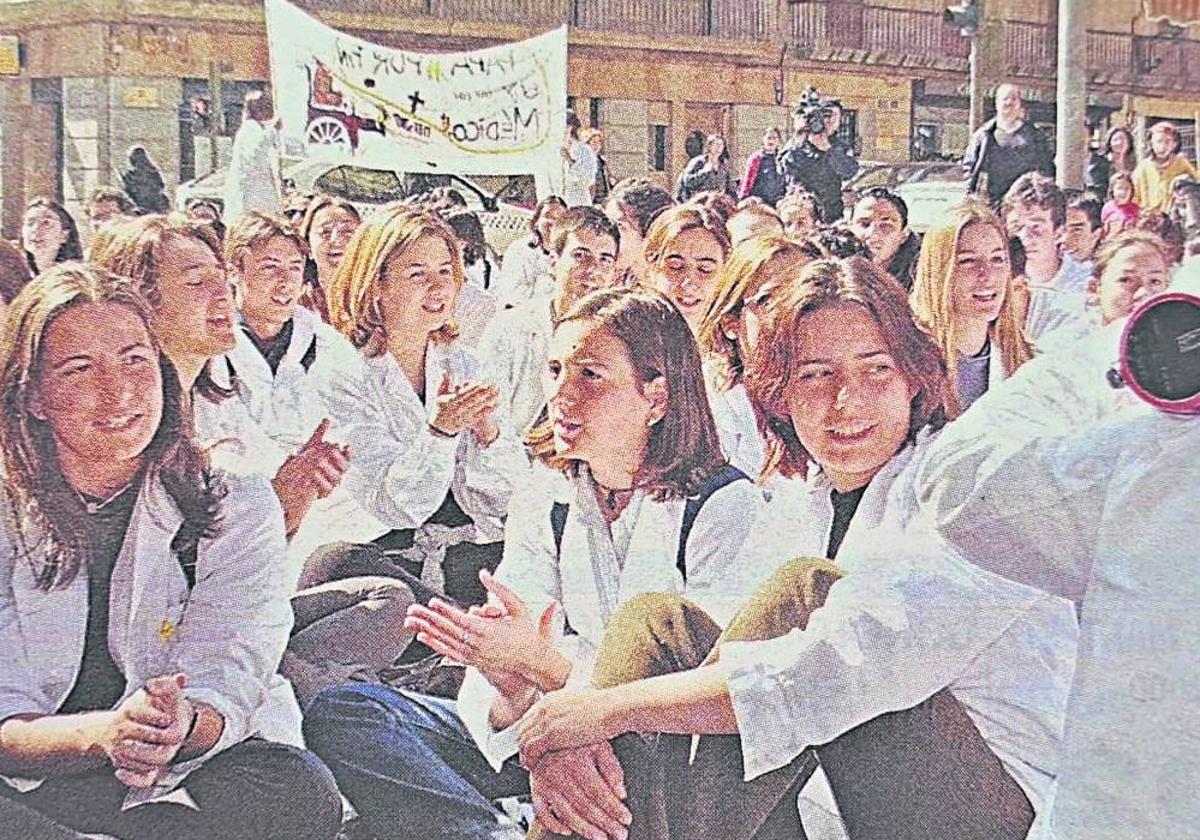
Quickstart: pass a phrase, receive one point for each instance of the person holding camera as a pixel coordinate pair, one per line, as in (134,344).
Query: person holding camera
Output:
(815,159)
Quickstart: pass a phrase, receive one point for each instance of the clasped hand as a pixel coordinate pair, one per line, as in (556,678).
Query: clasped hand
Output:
(148,729)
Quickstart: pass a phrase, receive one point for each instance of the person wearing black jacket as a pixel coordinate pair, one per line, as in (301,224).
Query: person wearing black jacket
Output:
(144,183)
(1005,148)
(817,161)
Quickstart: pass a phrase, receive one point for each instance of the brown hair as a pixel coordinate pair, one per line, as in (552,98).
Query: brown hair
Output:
(1033,189)
(14,271)
(750,265)
(932,296)
(675,221)
(319,202)
(827,283)
(254,228)
(72,248)
(587,219)
(354,292)
(133,248)
(258,105)
(1166,229)
(43,503)
(683,449)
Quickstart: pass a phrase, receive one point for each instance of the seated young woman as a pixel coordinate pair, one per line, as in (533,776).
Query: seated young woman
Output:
(633,496)
(930,692)
(431,473)
(143,596)
(348,629)
(963,297)
(757,270)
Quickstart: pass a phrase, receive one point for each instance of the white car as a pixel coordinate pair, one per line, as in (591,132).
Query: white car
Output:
(504,203)
(929,189)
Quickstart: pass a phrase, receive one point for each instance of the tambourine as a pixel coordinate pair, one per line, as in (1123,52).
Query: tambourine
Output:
(1160,352)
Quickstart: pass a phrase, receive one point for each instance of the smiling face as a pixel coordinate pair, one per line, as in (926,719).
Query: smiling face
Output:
(587,263)
(99,389)
(981,273)
(195,318)
(877,223)
(418,288)
(847,399)
(687,273)
(1134,274)
(269,280)
(601,412)
(331,229)
(42,234)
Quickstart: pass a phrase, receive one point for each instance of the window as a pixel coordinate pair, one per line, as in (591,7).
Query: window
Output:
(594,112)
(656,151)
(848,130)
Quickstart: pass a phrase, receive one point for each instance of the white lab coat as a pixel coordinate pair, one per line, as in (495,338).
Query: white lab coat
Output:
(401,471)
(288,404)
(594,576)
(514,353)
(474,309)
(737,428)
(908,619)
(227,634)
(524,274)
(1052,311)
(1095,503)
(252,181)
(580,176)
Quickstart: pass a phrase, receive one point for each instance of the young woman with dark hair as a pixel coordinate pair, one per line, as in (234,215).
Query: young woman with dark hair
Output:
(143,597)
(327,226)
(928,691)
(49,235)
(632,495)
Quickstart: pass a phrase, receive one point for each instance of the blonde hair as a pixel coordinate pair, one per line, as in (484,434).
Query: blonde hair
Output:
(751,264)
(932,295)
(354,292)
(676,221)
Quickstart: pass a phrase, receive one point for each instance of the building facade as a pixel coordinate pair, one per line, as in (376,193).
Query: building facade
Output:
(93,79)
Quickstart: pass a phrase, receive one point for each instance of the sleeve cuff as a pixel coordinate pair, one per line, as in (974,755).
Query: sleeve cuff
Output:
(760,707)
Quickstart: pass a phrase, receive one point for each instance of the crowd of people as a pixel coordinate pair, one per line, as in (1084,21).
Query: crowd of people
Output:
(732,513)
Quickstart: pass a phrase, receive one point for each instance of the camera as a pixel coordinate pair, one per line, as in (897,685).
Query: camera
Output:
(813,109)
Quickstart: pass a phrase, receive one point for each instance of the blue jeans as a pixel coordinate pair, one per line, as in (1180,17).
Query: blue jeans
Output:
(409,765)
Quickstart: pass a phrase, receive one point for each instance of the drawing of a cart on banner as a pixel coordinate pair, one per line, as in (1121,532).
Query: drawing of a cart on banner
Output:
(332,120)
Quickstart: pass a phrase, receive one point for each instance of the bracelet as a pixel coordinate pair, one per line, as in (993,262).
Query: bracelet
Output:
(442,433)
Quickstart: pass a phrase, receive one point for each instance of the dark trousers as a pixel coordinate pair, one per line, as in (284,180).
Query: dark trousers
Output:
(255,790)
(923,773)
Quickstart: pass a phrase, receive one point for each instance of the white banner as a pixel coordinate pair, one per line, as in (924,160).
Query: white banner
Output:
(495,111)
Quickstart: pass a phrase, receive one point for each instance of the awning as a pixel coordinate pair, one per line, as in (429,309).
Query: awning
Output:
(1177,11)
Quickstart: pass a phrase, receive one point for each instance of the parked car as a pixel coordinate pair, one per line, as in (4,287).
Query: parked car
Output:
(504,203)
(928,188)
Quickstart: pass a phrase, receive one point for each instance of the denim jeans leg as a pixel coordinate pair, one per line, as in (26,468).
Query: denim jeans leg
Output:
(409,766)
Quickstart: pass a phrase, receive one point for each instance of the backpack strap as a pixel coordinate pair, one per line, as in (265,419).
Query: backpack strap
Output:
(723,476)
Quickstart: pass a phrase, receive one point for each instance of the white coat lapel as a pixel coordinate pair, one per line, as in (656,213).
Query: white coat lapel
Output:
(53,646)
(142,623)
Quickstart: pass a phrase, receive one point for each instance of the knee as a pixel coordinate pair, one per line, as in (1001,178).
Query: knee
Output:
(306,803)
(343,718)
(647,611)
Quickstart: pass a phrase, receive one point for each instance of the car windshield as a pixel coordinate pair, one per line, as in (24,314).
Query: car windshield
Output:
(371,186)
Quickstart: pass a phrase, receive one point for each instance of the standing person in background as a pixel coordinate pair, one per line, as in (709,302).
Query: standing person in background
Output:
(764,177)
(48,235)
(1120,212)
(144,183)
(253,181)
(1116,157)
(579,165)
(1153,176)
(1006,147)
(595,140)
(708,171)
(815,159)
